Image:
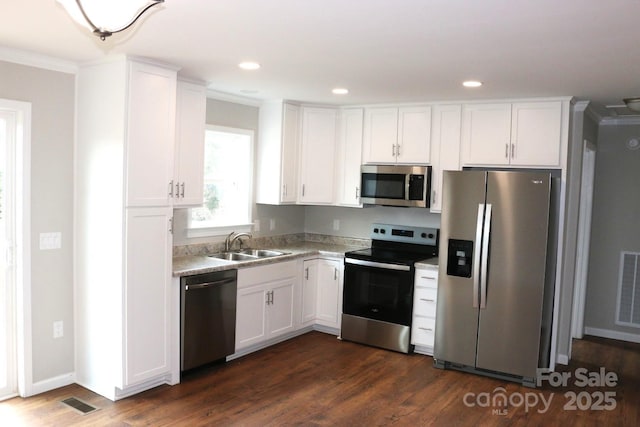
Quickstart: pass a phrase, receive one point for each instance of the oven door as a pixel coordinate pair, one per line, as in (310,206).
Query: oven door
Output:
(379,291)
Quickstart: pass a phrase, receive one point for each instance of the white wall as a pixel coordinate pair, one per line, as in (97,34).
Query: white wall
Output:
(356,222)
(51,95)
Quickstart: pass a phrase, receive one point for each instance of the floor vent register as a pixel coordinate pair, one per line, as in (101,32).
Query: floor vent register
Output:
(80,406)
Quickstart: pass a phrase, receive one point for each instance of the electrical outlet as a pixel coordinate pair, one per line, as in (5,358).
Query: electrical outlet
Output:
(58,329)
(256,225)
(272,224)
(336,224)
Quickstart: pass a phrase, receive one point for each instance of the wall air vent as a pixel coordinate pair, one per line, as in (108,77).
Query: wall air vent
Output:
(628,313)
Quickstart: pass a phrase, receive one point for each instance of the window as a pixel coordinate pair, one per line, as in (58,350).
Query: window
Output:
(228,174)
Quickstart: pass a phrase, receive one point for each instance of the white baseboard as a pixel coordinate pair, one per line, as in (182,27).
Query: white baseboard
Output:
(51,384)
(562,359)
(606,333)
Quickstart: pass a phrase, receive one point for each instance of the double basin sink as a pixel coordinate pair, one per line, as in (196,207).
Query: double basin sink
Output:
(247,254)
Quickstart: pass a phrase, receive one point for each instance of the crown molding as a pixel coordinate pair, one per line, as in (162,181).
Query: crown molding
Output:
(37,60)
(236,99)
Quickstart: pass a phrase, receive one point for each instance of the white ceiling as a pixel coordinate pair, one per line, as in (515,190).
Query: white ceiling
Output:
(382,50)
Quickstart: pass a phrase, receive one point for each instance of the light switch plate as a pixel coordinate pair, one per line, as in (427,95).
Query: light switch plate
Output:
(50,241)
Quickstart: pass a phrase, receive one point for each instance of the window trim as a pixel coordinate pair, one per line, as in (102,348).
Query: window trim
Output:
(241,227)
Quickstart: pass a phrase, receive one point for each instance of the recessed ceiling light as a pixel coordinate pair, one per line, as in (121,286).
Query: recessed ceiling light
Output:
(471,83)
(340,91)
(248,65)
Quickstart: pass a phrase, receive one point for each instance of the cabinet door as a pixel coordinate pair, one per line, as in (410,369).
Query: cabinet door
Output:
(309,291)
(147,319)
(289,163)
(380,135)
(189,151)
(486,134)
(349,156)
(281,309)
(414,135)
(150,135)
(536,133)
(318,155)
(445,148)
(251,316)
(329,295)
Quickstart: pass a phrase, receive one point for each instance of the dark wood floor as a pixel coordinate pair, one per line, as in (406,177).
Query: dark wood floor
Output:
(316,379)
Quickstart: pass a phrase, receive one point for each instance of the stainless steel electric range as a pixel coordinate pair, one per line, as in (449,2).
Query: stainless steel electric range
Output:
(378,285)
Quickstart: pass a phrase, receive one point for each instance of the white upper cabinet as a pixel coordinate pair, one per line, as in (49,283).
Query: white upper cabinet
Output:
(486,134)
(380,135)
(189,148)
(278,143)
(397,135)
(518,134)
(536,132)
(349,157)
(445,148)
(414,135)
(318,155)
(151,115)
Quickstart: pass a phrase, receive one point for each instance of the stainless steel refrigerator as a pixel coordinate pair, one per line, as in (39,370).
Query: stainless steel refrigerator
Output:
(496,272)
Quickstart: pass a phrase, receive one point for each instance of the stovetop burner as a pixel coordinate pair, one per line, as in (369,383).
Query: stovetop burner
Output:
(397,244)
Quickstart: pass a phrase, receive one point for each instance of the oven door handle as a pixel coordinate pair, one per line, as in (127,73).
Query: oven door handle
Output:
(375,264)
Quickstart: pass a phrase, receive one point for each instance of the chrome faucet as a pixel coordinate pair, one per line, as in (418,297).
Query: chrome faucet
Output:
(231,239)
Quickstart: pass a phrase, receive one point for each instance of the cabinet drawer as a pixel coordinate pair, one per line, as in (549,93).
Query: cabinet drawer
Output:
(266,273)
(428,278)
(424,302)
(422,331)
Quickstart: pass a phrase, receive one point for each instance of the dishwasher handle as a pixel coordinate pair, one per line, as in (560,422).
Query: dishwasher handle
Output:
(208,284)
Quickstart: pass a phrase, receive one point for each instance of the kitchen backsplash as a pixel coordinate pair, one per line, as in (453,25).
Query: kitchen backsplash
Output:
(270,242)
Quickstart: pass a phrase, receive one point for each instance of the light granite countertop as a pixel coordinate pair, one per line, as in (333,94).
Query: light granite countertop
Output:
(197,264)
(427,263)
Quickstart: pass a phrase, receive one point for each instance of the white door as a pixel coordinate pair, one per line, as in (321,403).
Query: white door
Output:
(147,324)
(10,135)
(329,310)
(281,307)
(380,137)
(309,290)
(318,155)
(251,316)
(150,135)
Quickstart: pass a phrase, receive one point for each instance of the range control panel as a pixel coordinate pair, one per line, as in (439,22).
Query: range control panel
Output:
(405,234)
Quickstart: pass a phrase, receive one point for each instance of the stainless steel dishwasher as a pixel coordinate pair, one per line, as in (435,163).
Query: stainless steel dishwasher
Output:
(207,317)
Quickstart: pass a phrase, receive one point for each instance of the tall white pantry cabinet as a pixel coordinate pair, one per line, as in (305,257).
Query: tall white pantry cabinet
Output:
(126,122)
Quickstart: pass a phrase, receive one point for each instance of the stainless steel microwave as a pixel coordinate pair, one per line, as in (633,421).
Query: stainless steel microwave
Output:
(389,185)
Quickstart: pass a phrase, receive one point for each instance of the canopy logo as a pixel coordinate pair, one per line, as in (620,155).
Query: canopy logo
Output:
(499,401)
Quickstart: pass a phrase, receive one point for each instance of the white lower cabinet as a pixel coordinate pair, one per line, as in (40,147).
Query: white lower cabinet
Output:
(424,309)
(266,303)
(147,295)
(322,292)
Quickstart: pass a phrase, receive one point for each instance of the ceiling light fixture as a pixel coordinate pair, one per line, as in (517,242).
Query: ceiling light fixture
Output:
(471,83)
(632,103)
(249,65)
(340,91)
(105,18)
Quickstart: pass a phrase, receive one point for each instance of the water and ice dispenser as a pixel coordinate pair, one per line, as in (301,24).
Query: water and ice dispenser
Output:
(460,258)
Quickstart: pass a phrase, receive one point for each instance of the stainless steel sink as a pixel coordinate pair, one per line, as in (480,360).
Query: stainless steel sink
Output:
(246,254)
(233,256)
(260,253)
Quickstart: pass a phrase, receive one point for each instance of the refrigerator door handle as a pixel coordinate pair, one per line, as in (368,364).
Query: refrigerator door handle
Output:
(485,256)
(476,256)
